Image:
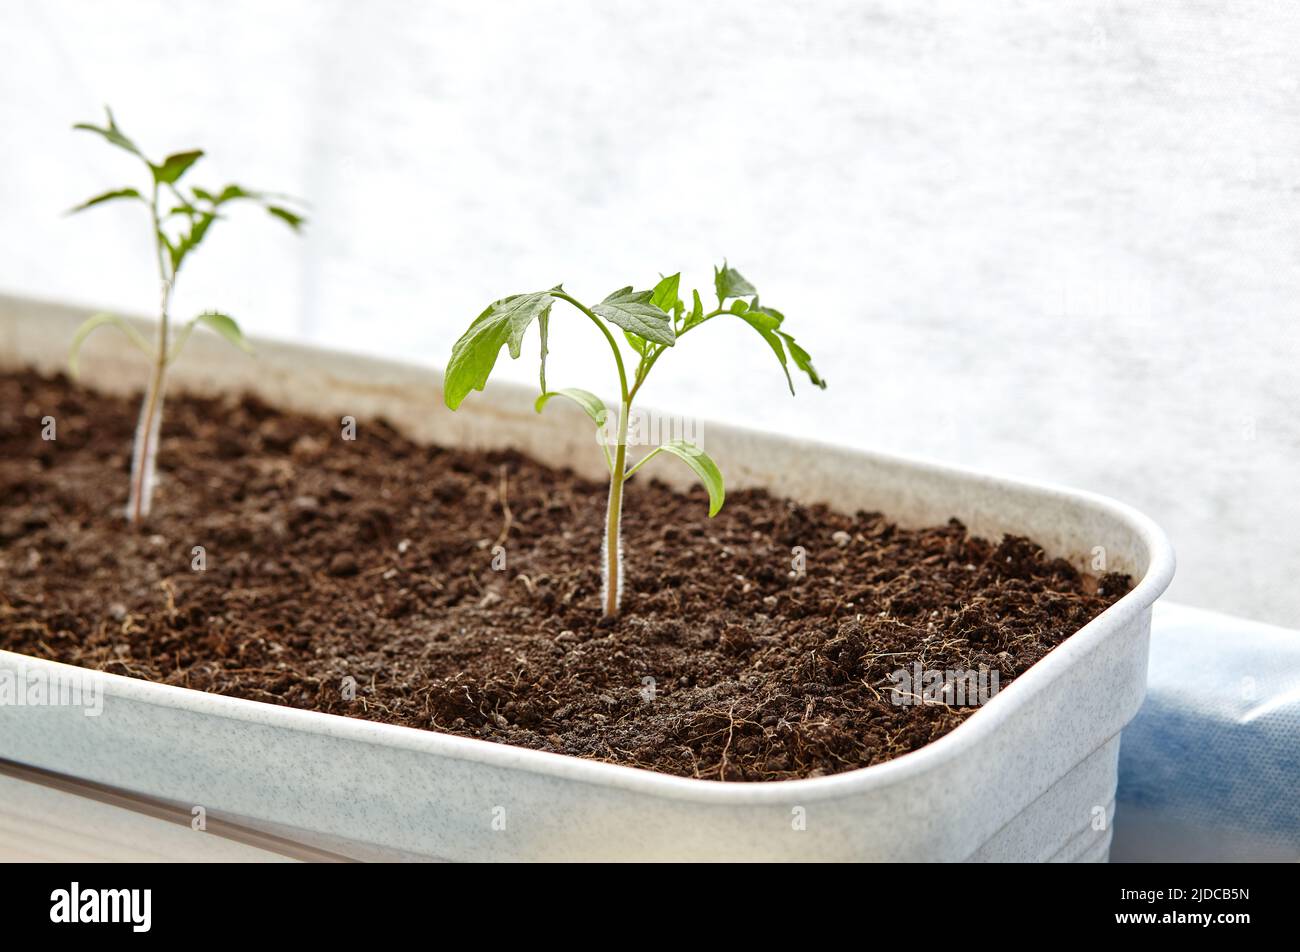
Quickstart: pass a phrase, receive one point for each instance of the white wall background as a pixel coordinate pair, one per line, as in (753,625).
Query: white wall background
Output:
(1052,240)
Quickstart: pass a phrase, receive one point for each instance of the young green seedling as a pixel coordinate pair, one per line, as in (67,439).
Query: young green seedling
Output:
(179,220)
(651,321)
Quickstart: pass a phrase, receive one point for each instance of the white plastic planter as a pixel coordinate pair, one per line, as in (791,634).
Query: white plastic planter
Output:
(1030,776)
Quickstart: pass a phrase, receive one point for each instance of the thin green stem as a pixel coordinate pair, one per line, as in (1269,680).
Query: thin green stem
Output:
(144,451)
(614,518)
(641,462)
(614,510)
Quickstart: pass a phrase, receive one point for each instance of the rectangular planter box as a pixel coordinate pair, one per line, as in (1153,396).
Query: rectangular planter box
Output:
(1030,776)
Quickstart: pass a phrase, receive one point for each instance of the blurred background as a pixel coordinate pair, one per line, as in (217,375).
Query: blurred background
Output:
(1051,241)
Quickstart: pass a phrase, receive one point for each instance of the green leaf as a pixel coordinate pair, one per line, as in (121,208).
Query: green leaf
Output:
(475,354)
(704,468)
(730,283)
(107,197)
(112,134)
(190,240)
(664,295)
(632,311)
(92,325)
(292,219)
(766,326)
(232,192)
(224,325)
(802,360)
(174,166)
(767,322)
(592,404)
(227,194)
(697,310)
(639,344)
(186,209)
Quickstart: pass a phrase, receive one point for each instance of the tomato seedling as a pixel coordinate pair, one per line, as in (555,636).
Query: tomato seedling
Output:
(651,321)
(179,220)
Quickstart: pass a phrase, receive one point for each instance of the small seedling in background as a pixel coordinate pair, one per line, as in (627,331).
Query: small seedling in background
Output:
(180,220)
(651,321)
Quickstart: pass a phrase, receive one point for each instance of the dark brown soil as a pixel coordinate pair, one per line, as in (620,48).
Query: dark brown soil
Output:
(373,559)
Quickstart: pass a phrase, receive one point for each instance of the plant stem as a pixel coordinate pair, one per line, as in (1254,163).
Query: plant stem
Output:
(614,511)
(144,455)
(614,518)
(144,452)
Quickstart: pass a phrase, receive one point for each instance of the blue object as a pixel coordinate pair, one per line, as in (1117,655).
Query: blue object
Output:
(1210,768)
